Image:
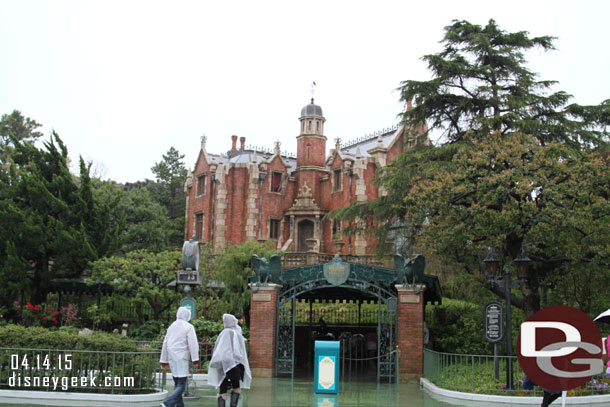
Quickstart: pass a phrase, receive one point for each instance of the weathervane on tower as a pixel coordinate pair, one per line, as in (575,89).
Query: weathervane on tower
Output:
(313,90)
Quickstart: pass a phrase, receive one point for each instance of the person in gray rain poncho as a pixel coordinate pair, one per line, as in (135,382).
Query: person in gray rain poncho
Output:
(180,345)
(229,363)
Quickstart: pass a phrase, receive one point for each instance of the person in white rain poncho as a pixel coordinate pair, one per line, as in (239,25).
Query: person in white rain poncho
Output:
(179,346)
(229,364)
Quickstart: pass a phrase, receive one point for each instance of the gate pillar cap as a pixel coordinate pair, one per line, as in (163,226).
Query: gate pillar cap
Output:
(268,287)
(411,288)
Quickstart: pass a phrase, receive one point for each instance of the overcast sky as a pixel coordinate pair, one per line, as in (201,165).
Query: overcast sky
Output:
(123,81)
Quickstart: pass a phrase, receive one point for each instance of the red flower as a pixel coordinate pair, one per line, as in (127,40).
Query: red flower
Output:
(30,306)
(48,308)
(18,306)
(55,322)
(36,307)
(44,318)
(16,302)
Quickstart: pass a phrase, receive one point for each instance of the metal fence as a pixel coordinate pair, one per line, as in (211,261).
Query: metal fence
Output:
(81,371)
(486,374)
(205,352)
(348,316)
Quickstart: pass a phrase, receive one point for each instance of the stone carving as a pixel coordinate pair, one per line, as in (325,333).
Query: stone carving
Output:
(267,271)
(190,255)
(305,198)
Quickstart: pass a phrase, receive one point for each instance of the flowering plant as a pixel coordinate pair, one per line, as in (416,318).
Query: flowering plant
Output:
(68,315)
(37,314)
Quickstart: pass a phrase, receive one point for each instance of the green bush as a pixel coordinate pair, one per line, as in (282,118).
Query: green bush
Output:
(149,331)
(459,327)
(207,331)
(17,336)
(99,354)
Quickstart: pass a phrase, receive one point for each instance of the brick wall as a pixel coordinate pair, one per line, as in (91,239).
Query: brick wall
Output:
(263,317)
(410,332)
(311,150)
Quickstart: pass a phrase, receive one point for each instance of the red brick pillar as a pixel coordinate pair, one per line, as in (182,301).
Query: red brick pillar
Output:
(410,332)
(263,318)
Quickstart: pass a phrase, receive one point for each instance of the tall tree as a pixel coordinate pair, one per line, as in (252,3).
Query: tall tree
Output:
(141,221)
(170,174)
(512,152)
(15,126)
(51,221)
(233,266)
(510,191)
(480,84)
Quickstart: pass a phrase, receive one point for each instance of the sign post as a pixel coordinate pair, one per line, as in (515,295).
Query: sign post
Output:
(494,329)
(494,318)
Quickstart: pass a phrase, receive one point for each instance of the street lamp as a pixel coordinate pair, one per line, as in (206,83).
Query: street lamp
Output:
(492,262)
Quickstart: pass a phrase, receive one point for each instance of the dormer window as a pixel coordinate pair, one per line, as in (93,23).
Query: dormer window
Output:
(276,181)
(201,184)
(337,177)
(199,226)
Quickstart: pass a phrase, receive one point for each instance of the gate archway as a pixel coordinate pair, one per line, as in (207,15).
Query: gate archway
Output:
(275,292)
(385,331)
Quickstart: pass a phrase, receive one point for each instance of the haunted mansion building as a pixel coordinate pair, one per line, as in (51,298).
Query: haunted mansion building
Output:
(250,194)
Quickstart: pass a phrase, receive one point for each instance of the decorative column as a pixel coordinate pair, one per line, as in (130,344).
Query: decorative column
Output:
(263,322)
(220,237)
(410,331)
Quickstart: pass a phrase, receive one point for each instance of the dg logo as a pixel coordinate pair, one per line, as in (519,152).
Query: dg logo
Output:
(560,348)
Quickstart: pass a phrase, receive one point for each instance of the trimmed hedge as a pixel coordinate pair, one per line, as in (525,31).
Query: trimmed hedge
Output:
(17,336)
(459,327)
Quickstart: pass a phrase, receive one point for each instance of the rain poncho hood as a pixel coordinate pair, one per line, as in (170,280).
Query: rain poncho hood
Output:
(180,344)
(229,351)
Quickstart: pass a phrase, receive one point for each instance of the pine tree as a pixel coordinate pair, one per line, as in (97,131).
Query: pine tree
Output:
(481,84)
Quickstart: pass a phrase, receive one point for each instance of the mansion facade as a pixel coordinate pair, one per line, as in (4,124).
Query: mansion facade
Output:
(251,194)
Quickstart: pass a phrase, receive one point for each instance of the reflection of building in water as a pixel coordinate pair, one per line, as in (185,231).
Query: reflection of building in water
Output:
(250,194)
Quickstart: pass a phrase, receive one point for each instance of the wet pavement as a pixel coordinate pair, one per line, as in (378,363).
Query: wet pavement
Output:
(298,392)
(280,392)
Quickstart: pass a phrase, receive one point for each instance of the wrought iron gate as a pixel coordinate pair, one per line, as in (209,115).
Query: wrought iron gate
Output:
(386,324)
(284,359)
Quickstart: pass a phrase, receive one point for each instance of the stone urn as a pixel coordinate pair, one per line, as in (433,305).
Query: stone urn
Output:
(339,246)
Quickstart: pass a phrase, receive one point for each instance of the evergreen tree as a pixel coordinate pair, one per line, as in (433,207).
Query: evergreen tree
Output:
(52,226)
(519,167)
(480,84)
(141,221)
(15,126)
(142,275)
(170,174)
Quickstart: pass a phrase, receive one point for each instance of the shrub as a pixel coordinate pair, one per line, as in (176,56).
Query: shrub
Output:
(458,327)
(207,331)
(149,331)
(16,336)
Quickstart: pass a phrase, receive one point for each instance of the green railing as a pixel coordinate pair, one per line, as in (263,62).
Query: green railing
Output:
(486,374)
(80,371)
(205,351)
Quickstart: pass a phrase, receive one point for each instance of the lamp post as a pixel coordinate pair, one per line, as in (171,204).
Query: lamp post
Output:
(492,262)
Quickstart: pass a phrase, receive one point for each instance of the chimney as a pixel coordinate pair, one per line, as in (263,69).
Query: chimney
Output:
(242,141)
(233,143)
